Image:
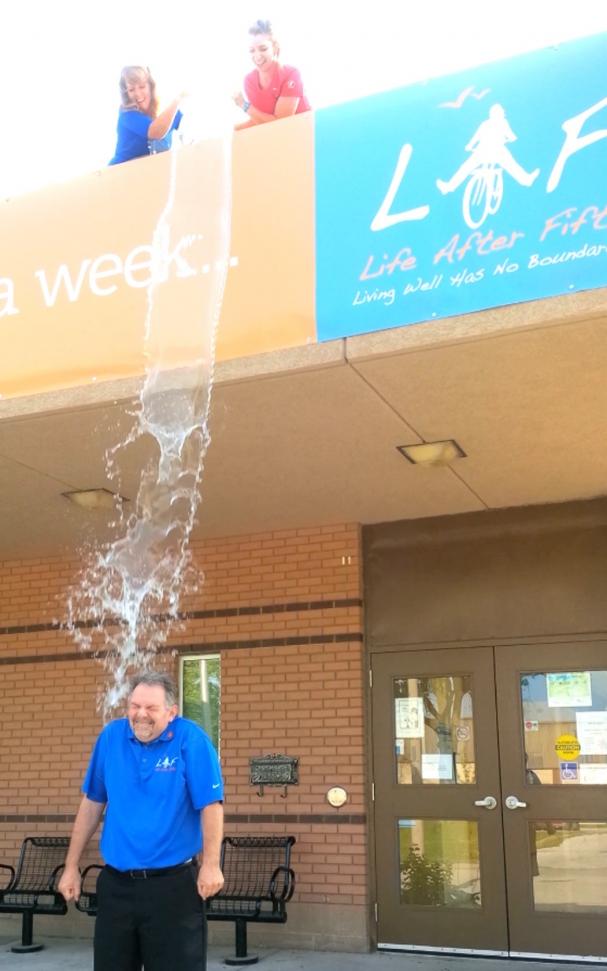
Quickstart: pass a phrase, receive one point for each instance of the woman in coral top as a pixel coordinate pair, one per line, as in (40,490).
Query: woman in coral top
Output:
(272,90)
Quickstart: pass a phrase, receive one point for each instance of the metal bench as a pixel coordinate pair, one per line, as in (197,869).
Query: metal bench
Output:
(32,885)
(258,883)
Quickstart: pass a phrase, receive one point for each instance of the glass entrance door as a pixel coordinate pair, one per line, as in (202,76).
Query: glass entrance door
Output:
(439,851)
(552,711)
(491,798)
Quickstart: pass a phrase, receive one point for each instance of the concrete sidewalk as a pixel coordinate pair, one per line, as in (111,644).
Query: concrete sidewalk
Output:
(62,954)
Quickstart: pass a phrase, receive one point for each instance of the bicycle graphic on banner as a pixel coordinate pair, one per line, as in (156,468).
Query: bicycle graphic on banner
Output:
(484,169)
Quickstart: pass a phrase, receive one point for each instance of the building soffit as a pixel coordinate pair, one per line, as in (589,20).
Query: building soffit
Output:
(308,435)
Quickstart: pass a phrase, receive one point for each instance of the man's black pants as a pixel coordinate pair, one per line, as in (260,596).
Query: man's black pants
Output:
(158,922)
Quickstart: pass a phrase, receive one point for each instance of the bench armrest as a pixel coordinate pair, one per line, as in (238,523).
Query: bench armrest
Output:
(6,866)
(288,888)
(87,902)
(52,880)
(85,873)
(88,869)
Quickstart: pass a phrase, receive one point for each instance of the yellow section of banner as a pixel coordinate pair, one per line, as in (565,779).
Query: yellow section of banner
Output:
(75,261)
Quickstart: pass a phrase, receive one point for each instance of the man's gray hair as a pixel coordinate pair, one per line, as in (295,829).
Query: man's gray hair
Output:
(156,678)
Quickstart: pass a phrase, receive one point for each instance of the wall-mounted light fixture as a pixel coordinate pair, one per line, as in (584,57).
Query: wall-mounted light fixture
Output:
(432,453)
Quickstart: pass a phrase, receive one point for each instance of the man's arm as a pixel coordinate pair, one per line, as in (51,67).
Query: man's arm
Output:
(210,877)
(85,824)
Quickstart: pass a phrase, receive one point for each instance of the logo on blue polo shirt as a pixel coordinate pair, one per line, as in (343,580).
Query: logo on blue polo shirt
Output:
(166,764)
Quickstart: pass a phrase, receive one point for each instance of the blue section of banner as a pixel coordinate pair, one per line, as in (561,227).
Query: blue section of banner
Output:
(465,192)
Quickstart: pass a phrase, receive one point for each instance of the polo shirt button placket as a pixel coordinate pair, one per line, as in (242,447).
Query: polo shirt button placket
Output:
(145,765)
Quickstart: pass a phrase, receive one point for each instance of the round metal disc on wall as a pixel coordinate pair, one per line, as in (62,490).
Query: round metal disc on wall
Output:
(337,796)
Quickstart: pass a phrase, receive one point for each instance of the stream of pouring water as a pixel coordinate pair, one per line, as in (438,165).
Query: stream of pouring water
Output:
(127,597)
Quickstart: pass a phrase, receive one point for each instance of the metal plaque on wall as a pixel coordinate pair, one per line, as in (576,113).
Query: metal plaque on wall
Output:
(274,770)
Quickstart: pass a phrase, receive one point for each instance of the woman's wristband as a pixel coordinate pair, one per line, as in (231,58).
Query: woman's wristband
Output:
(246,105)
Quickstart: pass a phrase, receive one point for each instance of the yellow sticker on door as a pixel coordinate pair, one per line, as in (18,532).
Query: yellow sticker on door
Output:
(567,748)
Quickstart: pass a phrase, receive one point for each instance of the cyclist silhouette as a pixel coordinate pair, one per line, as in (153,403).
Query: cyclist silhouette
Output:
(489,158)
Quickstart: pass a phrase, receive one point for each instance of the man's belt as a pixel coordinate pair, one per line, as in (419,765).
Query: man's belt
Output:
(147,874)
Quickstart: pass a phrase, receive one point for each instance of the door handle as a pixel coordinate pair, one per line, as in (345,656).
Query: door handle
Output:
(513,802)
(489,802)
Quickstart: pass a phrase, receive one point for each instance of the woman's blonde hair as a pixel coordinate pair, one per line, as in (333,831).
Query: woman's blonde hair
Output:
(130,75)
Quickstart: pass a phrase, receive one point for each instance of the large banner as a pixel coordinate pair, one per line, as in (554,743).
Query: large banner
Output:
(466,192)
(76,261)
(456,195)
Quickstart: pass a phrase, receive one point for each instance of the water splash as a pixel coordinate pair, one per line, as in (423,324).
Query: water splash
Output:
(126,600)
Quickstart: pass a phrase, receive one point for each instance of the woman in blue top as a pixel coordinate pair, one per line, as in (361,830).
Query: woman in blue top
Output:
(142,130)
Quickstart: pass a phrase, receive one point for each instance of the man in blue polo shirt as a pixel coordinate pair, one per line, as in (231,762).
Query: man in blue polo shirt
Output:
(158,778)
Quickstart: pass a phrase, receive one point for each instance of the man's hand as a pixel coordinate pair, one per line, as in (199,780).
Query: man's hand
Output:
(86,822)
(70,883)
(210,880)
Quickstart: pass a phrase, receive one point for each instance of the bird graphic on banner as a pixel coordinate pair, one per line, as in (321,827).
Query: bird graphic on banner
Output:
(464,95)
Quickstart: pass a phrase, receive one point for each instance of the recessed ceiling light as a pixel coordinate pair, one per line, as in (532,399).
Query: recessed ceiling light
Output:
(91,499)
(432,453)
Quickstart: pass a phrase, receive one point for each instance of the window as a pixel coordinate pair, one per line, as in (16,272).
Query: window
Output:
(434,730)
(200,682)
(565,727)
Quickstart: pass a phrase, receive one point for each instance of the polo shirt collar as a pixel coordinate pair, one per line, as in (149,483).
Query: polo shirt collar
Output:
(166,736)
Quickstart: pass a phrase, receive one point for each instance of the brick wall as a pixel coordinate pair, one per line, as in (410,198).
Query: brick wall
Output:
(284,611)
